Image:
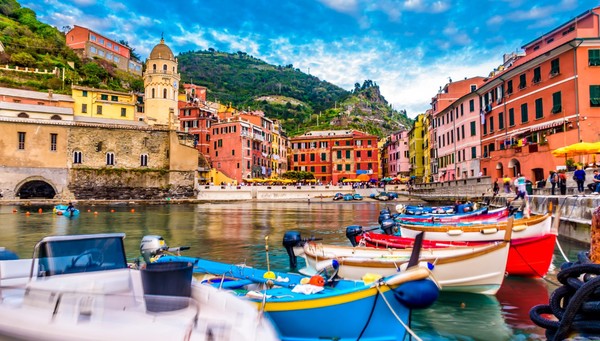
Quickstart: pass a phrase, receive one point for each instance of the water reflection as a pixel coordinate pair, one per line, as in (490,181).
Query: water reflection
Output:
(235,232)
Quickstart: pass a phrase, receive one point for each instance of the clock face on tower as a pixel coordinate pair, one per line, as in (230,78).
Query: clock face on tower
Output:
(175,84)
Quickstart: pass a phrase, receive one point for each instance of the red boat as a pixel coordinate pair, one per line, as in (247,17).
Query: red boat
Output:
(529,257)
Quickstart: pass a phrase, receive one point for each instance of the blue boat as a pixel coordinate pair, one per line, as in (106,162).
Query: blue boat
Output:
(338,196)
(357,196)
(64,210)
(321,306)
(348,197)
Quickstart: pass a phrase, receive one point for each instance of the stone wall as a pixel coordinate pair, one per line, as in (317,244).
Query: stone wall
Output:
(12,178)
(270,193)
(456,189)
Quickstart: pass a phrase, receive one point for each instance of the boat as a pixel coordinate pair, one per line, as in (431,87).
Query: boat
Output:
(348,197)
(65,211)
(529,257)
(79,287)
(369,309)
(448,209)
(357,196)
(338,196)
(481,214)
(534,226)
(477,269)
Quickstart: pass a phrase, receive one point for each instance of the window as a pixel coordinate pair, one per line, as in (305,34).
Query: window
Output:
(123,112)
(53,140)
(77,157)
(83,108)
(473,152)
(93,49)
(92,37)
(347,154)
(472,105)
(114,98)
(473,87)
(554,67)
(462,130)
(116,47)
(144,160)
(21,136)
(539,109)
(339,154)
(104,97)
(509,87)
(524,114)
(347,167)
(153,93)
(233,152)
(101,41)
(537,75)
(312,157)
(323,157)
(556,102)
(323,169)
(511,117)
(84,93)
(116,59)
(303,157)
(473,128)
(501,121)
(164,93)
(99,110)
(369,154)
(595,95)
(594,57)
(108,44)
(522,81)
(110,159)
(491,124)
(295,157)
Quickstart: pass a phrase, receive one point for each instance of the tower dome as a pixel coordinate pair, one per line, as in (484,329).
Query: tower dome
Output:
(161,51)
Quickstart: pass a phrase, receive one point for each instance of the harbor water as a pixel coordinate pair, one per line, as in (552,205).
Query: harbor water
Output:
(235,233)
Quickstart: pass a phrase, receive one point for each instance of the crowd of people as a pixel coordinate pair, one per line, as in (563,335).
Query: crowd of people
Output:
(557,180)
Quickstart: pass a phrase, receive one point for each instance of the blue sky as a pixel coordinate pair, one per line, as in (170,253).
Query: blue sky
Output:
(408,47)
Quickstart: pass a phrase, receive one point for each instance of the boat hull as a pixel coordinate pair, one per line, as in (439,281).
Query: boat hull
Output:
(477,269)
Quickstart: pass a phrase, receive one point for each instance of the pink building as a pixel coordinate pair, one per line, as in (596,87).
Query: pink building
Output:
(456,132)
(398,162)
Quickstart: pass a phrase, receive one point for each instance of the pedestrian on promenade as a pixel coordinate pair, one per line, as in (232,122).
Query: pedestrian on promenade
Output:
(506,181)
(562,182)
(595,185)
(496,187)
(521,188)
(579,177)
(553,180)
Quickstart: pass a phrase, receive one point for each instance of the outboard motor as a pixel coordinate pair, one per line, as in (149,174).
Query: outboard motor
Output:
(151,246)
(352,232)
(290,240)
(383,215)
(387,226)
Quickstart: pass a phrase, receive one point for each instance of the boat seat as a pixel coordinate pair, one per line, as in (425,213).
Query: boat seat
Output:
(15,272)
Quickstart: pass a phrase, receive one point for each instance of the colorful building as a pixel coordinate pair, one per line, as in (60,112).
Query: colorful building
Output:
(90,44)
(543,100)
(104,104)
(416,137)
(397,163)
(455,130)
(427,147)
(335,155)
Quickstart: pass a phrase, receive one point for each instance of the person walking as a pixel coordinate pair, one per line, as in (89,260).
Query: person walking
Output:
(553,180)
(562,182)
(579,177)
(506,182)
(496,187)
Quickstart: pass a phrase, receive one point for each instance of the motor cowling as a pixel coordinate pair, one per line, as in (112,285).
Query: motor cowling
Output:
(151,246)
(387,226)
(383,215)
(352,232)
(292,239)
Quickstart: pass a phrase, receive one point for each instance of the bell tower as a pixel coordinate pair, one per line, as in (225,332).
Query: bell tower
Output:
(161,84)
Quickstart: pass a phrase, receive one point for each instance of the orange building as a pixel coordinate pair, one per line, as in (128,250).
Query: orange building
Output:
(90,44)
(334,155)
(543,100)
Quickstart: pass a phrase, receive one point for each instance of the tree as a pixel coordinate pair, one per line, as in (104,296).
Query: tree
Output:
(23,59)
(134,55)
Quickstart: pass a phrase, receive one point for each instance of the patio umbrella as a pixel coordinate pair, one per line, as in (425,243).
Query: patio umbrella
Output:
(579,148)
(387,178)
(363,177)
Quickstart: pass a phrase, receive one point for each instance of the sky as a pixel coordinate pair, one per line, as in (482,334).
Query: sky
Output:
(410,48)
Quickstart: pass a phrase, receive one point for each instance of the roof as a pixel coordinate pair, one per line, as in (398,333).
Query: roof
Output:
(34,95)
(161,51)
(36,108)
(87,119)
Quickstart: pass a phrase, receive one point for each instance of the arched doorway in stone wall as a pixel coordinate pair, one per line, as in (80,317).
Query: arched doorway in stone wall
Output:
(499,170)
(516,167)
(37,188)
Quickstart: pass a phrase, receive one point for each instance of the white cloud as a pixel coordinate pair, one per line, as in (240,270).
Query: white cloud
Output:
(344,6)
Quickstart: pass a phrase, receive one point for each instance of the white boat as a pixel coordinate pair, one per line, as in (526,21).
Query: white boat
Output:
(80,288)
(477,269)
(535,226)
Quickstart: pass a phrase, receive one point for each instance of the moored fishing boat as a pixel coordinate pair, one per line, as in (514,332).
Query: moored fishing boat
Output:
(378,309)
(482,214)
(478,268)
(64,210)
(80,288)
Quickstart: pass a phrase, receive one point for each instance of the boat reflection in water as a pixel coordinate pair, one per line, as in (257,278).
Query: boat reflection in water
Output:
(517,295)
(462,316)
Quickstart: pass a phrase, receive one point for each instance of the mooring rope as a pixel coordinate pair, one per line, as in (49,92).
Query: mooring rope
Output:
(410,331)
(576,304)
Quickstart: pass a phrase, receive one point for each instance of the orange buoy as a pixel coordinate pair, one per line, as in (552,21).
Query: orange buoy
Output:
(96,212)
(40,210)
(27,213)
(132,210)
(112,211)
(317,280)
(89,210)
(14,210)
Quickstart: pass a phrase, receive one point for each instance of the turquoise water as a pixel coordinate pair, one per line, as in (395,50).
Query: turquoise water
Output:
(235,233)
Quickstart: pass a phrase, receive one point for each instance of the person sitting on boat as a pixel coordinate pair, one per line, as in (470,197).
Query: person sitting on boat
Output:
(70,208)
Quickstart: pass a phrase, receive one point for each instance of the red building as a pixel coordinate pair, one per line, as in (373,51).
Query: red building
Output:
(334,155)
(90,44)
(544,99)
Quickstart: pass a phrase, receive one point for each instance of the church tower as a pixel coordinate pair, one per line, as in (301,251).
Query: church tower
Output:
(161,84)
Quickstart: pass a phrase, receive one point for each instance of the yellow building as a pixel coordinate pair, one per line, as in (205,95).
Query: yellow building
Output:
(99,103)
(427,148)
(415,148)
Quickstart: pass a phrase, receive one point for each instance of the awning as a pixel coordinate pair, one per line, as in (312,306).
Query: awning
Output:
(547,125)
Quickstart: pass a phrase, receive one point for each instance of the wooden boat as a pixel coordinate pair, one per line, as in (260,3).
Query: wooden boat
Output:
(81,288)
(365,310)
(419,210)
(477,269)
(481,214)
(65,211)
(529,257)
(522,228)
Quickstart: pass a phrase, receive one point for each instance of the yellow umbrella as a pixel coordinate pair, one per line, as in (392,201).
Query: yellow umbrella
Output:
(579,148)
